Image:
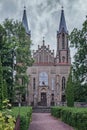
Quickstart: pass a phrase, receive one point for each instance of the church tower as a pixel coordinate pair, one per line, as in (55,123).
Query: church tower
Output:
(49,73)
(25,22)
(63,52)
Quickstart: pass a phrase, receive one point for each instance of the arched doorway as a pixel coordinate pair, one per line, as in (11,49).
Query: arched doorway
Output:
(43,99)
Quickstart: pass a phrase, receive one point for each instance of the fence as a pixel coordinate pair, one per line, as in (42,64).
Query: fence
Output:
(80,104)
(17,125)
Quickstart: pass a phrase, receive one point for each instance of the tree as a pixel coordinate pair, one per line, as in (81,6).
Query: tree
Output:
(1,84)
(70,91)
(3,87)
(15,43)
(5,94)
(78,40)
(6,59)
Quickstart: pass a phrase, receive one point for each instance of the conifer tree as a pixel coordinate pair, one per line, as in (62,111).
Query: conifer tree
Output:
(70,91)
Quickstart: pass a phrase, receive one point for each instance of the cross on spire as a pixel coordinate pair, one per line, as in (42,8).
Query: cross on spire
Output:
(24,7)
(62,7)
(43,40)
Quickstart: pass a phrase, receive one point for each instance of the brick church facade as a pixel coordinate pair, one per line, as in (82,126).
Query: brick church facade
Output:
(49,73)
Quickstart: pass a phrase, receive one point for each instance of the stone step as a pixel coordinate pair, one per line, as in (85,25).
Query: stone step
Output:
(41,109)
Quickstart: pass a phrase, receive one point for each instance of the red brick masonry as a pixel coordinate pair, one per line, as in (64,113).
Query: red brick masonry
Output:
(44,121)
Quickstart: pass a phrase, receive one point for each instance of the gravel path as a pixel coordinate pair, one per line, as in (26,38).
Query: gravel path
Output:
(44,121)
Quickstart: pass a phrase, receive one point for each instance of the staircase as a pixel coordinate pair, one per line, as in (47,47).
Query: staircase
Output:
(41,109)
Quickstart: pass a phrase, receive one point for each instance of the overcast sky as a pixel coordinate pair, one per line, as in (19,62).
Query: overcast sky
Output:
(44,16)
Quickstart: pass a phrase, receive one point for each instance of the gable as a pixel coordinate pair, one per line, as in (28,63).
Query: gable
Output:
(43,56)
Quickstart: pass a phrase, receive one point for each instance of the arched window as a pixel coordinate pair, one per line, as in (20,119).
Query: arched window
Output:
(43,79)
(63,41)
(52,95)
(34,83)
(63,99)
(63,83)
(53,84)
(63,59)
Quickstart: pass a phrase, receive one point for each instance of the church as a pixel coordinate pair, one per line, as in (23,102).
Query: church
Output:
(49,73)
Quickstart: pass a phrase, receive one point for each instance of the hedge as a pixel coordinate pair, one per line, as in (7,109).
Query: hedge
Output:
(76,117)
(25,116)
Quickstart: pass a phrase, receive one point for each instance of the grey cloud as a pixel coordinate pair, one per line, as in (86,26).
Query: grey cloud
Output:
(44,16)
(8,8)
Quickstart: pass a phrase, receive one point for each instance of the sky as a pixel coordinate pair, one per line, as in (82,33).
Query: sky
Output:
(44,17)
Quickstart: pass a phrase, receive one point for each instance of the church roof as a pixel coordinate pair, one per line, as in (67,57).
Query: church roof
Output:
(62,26)
(25,22)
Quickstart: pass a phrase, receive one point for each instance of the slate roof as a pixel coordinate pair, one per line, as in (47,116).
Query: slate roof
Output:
(62,25)
(25,22)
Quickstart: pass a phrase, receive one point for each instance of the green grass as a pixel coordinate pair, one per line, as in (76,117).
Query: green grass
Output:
(25,116)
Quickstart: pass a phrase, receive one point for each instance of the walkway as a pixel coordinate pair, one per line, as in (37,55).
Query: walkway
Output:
(44,121)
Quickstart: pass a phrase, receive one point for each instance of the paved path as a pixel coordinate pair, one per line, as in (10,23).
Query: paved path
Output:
(44,121)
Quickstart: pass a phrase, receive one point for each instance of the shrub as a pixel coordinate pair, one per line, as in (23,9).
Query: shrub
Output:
(25,116)
(7,122)
(56,112)
(76,117)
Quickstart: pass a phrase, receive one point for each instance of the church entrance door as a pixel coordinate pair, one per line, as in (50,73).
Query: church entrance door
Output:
(43,99)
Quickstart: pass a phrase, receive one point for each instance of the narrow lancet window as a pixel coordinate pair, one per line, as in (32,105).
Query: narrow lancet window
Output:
(33,83)
(63,83)
(63,41)
(63,59)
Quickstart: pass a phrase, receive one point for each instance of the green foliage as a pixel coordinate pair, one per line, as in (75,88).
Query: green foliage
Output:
(1,84)
(6,105)
(70,91)
(76,117)
(3,87)
(25,116)
(5,94)
(7,122)
(14,42)
(78,40)
(56,112)
(80,92)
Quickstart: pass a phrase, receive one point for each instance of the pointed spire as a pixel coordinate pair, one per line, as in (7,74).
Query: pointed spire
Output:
(24,21)
(62,26)
(43,41)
